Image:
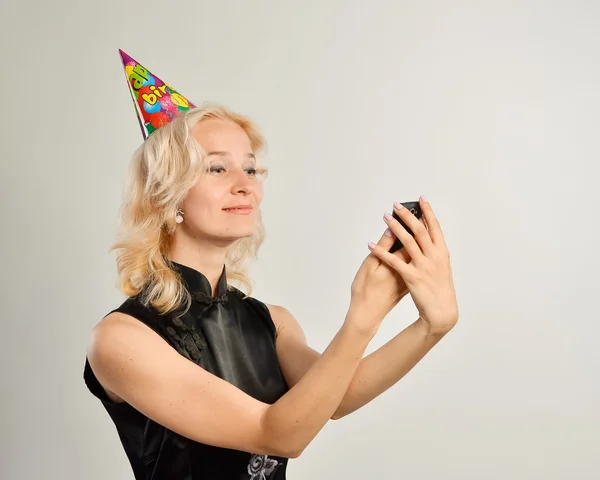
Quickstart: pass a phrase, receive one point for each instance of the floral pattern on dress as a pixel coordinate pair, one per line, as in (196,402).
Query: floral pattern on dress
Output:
(261,467)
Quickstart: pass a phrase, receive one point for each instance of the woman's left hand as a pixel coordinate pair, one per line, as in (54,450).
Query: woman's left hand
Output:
(424,265)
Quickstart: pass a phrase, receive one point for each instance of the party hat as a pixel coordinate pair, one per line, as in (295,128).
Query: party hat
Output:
(156,102)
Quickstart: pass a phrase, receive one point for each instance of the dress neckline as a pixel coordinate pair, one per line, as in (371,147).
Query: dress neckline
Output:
(199,286)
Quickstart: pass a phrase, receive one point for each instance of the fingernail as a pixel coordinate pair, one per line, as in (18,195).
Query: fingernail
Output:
(423,198)
(398,205)
(371,245)
(388,216)
(388,232)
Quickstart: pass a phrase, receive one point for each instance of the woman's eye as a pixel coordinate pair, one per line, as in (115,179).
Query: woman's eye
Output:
(218,169)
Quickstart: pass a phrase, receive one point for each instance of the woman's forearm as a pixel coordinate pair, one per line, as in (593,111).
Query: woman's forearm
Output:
(386,366)
(297,417)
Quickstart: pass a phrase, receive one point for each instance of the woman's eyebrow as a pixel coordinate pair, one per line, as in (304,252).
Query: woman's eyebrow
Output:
(227,154)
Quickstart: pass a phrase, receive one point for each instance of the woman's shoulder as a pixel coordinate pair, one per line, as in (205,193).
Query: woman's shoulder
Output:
(134,316)
(140,309)
(131,310)
(133,304)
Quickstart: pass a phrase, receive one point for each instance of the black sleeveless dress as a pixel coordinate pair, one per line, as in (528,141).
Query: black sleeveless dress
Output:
(229,336)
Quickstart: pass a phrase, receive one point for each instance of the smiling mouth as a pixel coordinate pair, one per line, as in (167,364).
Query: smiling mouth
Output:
(239,210)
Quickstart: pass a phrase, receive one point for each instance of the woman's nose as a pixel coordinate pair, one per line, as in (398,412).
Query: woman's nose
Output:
(241,182)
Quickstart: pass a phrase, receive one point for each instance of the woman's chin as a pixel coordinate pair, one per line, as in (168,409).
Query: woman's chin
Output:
(234,236)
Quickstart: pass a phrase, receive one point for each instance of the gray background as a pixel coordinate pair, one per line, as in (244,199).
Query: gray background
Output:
(489,108)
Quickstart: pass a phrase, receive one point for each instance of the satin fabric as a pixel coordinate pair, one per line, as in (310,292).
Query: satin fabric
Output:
(228,335)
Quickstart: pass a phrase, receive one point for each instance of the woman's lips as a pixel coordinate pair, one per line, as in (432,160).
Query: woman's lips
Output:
(239,210)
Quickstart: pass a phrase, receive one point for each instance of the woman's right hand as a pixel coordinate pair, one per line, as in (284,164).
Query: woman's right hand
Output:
(376,289)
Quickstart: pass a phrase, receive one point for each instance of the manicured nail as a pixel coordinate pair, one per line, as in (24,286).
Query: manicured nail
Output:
(423,198)
(398,205)
(388,232)
(371,245)
(388,216)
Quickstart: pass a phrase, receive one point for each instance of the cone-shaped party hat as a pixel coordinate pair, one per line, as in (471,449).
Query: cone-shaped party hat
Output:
(156,102)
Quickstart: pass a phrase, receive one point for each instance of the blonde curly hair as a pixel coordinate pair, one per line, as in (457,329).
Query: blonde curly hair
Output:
(162,171)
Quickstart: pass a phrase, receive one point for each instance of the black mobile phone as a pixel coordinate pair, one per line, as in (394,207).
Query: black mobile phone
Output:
(415,209)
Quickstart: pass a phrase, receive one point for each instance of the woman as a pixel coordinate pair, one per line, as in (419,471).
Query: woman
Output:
(203,381)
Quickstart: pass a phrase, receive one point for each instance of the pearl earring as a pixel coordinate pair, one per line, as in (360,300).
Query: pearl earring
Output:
(179,217)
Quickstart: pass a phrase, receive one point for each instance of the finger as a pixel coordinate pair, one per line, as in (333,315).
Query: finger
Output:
(394,261)
(387,241)
(410,247)
(403,254)
(408,242)
(433,225)
(421,235)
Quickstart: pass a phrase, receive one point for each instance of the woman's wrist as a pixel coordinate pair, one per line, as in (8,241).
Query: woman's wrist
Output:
(429,331)
(361,321)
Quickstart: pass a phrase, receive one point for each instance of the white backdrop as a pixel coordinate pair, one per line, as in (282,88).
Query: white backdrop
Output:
(488,108)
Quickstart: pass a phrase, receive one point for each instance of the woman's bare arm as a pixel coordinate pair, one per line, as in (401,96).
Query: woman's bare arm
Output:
(375,374)
(135,364)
